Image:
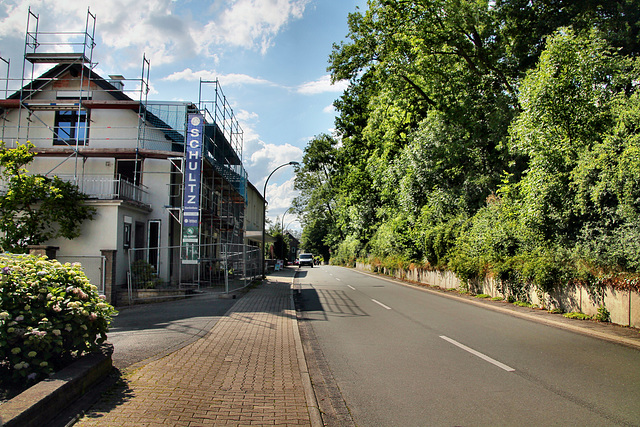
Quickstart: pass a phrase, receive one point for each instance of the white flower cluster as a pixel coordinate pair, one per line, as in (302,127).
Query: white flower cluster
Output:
(50,311)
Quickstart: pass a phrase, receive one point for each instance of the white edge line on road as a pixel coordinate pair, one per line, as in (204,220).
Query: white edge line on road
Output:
(381,304)
(351,287)
(477,353)
(531,317)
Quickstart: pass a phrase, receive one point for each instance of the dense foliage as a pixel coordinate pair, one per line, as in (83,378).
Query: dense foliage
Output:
(35,208)
(49,314)
(487,137)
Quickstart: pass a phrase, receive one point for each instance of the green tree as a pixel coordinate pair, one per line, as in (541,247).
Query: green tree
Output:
(280,246)
(316,205)
(35,208)
(607,183)
(573,215)
(427,128)
(567,110)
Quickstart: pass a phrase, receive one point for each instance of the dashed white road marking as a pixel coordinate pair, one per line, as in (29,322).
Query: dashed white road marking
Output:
(381,304)
(477,353)
(351,287)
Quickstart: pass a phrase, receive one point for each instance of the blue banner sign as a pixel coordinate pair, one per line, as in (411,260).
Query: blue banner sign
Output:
(191,200)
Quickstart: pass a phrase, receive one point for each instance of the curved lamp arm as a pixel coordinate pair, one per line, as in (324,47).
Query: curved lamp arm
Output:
(264,190)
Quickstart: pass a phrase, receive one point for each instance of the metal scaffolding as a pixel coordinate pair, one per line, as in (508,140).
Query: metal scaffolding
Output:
(160,132)
(227,178)
(70,85)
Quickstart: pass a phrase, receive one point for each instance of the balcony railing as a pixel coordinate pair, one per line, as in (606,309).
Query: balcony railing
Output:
(109,188)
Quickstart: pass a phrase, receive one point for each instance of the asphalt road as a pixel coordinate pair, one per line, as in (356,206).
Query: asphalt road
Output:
(404,357)
(149,331)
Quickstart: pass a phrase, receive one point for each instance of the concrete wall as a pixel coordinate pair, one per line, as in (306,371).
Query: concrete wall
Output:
(623,306)
(253,210)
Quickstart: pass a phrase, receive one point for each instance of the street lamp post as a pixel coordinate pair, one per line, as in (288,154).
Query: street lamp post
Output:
(264,212)
(283,215)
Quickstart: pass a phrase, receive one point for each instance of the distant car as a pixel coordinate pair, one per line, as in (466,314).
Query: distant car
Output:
(305,259)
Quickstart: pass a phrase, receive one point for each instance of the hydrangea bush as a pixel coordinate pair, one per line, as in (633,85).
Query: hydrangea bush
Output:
(49,314)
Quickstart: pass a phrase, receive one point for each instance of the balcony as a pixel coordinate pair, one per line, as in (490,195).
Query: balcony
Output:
(104,187)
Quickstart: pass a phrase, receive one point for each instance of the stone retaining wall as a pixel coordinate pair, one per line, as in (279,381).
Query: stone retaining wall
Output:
(623,306)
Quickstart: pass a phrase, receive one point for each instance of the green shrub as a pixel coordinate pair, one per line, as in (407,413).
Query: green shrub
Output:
(577,315)
(347,252)
(49,314)
(603,315)
(145,275)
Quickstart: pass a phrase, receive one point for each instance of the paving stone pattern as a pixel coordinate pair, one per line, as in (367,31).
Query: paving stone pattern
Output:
(245,371)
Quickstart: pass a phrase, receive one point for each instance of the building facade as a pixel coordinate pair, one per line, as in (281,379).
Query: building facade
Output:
(170,205)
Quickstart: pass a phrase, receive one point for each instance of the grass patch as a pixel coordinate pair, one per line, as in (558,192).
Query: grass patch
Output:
(577,315)
(497,299)
(556,311)
(522,304)
(483,296)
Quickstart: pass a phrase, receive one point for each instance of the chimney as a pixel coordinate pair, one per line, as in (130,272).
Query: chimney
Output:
(117,80)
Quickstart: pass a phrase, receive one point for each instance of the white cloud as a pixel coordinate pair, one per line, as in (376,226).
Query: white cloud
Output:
(225,79)
(329,109)
(280,198)
(322,85)
(245,116)
(259,157)
(121,26)
(252,24)
(166,31)
(13,18)
(263,160)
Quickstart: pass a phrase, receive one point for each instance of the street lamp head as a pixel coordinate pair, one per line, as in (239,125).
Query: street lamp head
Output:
(294,163)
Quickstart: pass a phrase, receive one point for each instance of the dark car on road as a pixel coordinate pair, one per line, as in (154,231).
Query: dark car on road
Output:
(305,259)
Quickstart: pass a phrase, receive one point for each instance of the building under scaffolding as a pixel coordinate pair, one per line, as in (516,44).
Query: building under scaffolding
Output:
(131,157)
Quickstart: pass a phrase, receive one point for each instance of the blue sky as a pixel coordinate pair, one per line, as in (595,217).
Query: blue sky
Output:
(269,55)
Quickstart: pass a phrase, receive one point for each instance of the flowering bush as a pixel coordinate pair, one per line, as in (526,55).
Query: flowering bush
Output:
(49,314)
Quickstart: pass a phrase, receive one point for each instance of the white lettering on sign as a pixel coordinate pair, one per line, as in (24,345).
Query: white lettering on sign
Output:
(192,176)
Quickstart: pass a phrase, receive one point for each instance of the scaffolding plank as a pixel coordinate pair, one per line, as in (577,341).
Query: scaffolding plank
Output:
(56,58)
(51,105)
(121,153)
(112,105)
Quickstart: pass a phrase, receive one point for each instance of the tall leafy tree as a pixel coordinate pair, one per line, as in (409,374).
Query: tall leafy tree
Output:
(35,208)
(316,204)
(424,127)
(573,215)
(567,110)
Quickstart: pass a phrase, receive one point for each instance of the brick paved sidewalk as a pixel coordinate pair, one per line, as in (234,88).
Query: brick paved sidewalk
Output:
(247,371)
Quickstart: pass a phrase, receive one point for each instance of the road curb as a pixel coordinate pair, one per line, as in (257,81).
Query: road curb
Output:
(46,400)
(312,402)
(575,327)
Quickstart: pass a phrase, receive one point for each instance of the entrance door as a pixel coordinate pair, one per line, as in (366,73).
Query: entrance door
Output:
(153,243)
